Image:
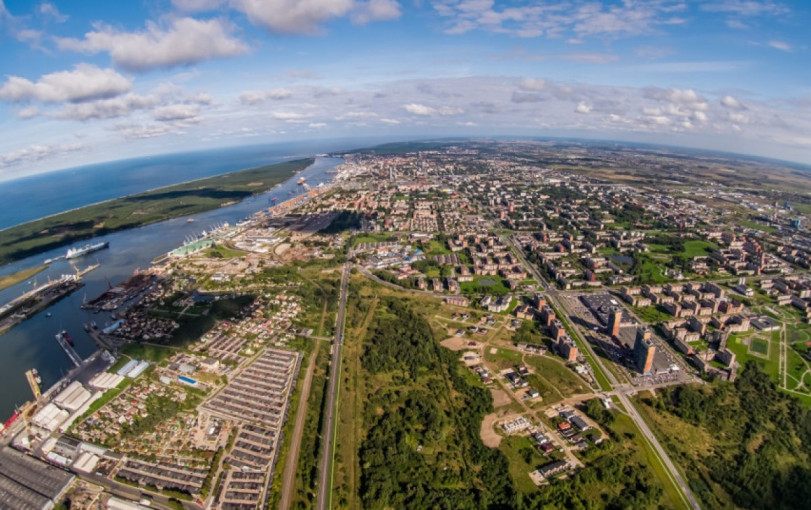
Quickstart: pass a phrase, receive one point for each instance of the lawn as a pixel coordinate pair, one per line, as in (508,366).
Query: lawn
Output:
(152,353)
(557,375)
(697,248)
(759,346)
(652,314)
(742,354)
(223,252)
(435,248)
(494,285)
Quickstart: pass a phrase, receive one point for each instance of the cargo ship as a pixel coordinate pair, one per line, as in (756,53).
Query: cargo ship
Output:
(84,250)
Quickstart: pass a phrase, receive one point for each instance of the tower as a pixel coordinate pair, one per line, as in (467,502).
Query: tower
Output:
(614,320)
(644,350)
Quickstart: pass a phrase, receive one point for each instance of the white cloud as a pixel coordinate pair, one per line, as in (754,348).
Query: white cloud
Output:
(288,116)
(392,122)
(36,152)
(316,125)
(579,17)
(534,84)
(49,10)
(28,113)
(375,10)
(137,131)
(745,7)
(163,96)
(184,41)
(582,107)
(419,109)
(780,45)
(176,112)
(731,102)
(447,110)
(196,5)
(85,82)
(107,108)
(254,97)
(307,16)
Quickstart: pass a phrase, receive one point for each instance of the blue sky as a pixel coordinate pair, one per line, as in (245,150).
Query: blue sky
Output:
(89,81)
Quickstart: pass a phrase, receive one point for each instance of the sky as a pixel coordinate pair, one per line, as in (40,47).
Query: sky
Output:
(90,81)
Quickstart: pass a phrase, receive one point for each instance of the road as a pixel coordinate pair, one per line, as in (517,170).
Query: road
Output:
(289,475)
(325,470)
(133,493)
(617,388)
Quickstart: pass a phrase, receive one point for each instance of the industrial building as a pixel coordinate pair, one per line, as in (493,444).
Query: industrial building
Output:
(29,484)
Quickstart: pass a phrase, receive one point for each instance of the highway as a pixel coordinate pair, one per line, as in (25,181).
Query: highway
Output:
(618,389)
(325,470)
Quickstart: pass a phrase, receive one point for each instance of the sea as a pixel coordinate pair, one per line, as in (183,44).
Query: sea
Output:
(31,344)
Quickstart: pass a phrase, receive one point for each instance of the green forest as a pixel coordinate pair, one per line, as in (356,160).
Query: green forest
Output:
(422,449)
(741,444)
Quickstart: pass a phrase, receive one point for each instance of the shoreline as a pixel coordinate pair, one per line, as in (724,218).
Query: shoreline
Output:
(14,256)
(152,190)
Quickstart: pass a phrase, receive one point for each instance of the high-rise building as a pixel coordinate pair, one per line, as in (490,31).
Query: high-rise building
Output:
(567,348)
(614,320)
(644,350)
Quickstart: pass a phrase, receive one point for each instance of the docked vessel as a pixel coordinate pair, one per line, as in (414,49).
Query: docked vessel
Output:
(301,181)
(63,335)
(84,250)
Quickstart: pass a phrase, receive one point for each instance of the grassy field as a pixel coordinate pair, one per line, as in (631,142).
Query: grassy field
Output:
(652,314)
(697,248)
(482,285)
(769,364)
(10,280)
(557,376)
(141,209)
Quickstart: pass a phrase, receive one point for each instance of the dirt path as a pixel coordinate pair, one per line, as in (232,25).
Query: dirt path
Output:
(289,476)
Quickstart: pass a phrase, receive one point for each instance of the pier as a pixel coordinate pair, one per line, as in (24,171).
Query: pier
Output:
(70,351)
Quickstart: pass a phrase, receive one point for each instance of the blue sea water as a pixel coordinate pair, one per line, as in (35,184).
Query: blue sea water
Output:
(33,197)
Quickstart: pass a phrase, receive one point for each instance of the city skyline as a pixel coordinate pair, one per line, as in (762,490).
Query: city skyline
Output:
(86,82)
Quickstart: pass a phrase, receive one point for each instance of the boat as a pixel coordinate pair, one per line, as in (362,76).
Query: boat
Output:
(36,376)
(301,181)
(84,250)
(11,420)
(48,315)
(273,200)
(64,336)
(190,220)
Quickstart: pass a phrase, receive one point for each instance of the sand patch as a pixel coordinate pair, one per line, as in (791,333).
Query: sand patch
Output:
(454,343)
(500,397)
(488,434)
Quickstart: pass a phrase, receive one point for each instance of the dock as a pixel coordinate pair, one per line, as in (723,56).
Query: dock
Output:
(70,351)
(32,381)
(23,307)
